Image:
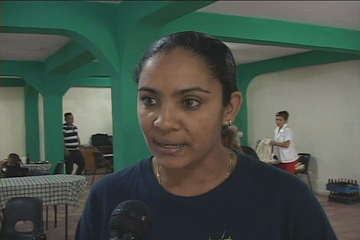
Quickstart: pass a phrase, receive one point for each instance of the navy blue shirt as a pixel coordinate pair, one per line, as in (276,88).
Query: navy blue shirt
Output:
(258,201)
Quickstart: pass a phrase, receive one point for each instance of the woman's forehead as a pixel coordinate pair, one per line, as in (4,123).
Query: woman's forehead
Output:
(176,66)
(177,55)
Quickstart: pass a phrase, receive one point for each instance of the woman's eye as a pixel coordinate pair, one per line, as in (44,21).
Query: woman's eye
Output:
(148,101)
(191,103)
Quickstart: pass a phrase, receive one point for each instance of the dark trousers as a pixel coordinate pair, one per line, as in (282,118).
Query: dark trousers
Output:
(77,158)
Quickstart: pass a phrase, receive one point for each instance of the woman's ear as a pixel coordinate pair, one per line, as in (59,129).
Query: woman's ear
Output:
(232,109)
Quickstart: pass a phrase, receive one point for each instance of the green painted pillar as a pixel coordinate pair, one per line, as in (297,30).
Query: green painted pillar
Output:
(129,143)
(55,86)
(32,138)
(244,78)
(53,134)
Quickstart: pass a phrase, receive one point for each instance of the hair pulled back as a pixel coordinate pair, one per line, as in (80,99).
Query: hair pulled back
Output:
(216,54)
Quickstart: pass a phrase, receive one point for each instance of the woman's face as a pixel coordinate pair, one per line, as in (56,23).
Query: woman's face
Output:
(180,109)
(280,121)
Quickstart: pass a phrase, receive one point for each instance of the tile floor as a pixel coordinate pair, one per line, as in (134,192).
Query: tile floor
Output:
(344,218)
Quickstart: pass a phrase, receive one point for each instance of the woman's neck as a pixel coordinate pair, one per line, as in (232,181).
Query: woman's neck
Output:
(199,178)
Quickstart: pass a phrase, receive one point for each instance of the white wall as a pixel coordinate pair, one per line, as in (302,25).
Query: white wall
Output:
(12,122)
(91,108)
(92,112)
(324,106)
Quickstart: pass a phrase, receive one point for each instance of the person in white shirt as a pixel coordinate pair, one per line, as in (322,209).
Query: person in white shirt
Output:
(283,143)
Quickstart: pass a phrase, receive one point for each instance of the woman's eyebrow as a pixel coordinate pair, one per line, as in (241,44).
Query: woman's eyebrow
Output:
(147,89)
(186,90)
(179,92)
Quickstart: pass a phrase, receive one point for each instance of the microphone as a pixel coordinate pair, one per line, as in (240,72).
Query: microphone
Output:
(130,220)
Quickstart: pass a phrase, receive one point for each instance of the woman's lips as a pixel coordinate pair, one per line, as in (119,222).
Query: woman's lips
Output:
(171,145)
(169,148)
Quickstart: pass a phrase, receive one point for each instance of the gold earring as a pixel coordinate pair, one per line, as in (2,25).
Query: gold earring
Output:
(229,122)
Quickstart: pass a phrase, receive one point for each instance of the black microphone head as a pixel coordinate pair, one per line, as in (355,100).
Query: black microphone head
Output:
(131,217)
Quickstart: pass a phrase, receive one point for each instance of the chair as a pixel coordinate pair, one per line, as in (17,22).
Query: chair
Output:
(23,209)
(102,162)
(94,160)
(303,167)
(60,168)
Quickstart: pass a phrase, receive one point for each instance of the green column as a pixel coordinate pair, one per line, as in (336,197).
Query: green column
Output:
(55,86)
(32,138)
(53,135)
(244,78)
(129,143)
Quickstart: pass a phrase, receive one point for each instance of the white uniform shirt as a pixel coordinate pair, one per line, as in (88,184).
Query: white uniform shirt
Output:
(285,155)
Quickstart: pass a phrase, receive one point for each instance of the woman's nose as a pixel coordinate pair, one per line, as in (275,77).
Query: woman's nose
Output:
(167,119)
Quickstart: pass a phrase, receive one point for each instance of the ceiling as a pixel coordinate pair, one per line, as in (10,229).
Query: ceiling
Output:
(343,14)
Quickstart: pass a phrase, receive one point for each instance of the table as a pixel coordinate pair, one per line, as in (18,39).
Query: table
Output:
(52,189)
(37,166)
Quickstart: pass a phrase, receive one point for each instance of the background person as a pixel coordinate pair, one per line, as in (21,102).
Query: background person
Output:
(72,146)
(14,160)
(283,143)
(13,167)
(195,187)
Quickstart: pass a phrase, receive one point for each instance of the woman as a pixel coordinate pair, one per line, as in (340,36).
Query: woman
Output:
(283,143)
(14,160)
(195,187)
(14,169)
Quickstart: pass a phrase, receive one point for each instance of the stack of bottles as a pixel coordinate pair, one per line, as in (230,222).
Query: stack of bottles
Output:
(343,190)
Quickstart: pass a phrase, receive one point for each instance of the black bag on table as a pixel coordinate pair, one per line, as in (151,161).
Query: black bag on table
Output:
(100,139)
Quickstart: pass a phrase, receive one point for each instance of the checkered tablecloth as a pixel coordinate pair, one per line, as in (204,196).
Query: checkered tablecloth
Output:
(52,189)
(37,166)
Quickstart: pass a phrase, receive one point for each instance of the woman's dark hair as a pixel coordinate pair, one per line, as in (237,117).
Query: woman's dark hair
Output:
(283,114)
(215,53)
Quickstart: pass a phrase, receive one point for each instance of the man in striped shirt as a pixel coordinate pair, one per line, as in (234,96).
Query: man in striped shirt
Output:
(72,146)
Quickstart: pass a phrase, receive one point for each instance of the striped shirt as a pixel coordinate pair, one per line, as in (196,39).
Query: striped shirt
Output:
(71,139)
